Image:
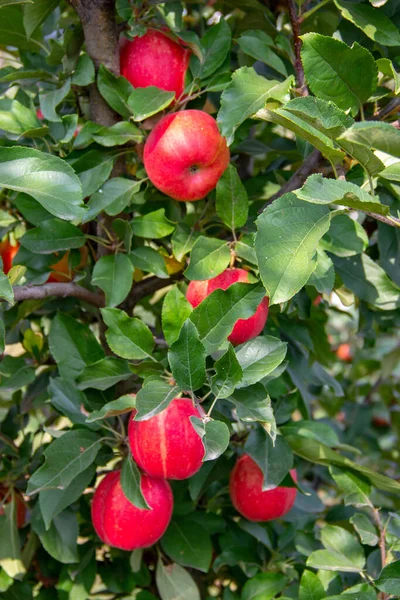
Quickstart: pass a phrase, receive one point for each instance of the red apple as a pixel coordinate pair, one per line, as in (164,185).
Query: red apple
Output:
(120,524)
(7,253)
(244,329)
(249,499)
(39,114)
(20,508)
(344,352)
(167,445)
(185,155)
(62,271)
(154,59)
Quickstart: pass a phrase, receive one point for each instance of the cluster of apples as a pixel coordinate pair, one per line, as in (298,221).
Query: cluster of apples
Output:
(167,446)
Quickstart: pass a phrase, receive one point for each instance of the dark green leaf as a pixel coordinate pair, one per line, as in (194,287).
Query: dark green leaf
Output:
(67,399)
(258,44)
(147,101)
(187,358)
(60,540)
(264,586)
(113,197)
(209,257)
(228,374)
(53,235)
(113,274)
(389,251)
(216,44)
(188,544)
(346,237)
(254,404)
(374,23)
(6,290)
(373,134)
(153,225)
(174,583)
(131,484)
(365,529)
(323,276)
(259,357)
(389,578)
(120,406)
(36,13)
(103,374)
(115,90)
(149,260)
(84,73)
(127,337)
(118,134)
(356,489)
(154,397)
(93,169)
(175,310)
(275,461)
(343,551)
(215,437)
(311,587)
(231,202)
(50,100)
(183,240)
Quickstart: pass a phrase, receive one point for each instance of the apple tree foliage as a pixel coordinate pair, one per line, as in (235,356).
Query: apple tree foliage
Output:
(306,94)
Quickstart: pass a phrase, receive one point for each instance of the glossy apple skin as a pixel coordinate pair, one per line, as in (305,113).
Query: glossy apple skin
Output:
(344,352)
(185,155)
(7,253)
(61,269)
(167,445)
(248,498)
(20,508)
(120,524)
(154,59)
(244,329)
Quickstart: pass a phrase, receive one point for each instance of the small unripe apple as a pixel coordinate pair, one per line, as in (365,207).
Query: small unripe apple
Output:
(154,59)
(7,253)
(62,271)
(120,524)
(185,155)
(344,352)
(167,444)
(20,508)
(248,497)
(244,329)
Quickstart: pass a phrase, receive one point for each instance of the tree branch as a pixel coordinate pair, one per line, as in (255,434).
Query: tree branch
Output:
(298,65)
(310,165)
(61,290)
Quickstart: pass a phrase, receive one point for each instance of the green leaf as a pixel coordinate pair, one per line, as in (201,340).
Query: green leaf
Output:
(357,490)
(286,243)
(320,190)
(259,357)
(368,281)
(127,337)
(373,134)
(54,501)
(66,457)
(174,583)
(319,453)
(209,257)
(93,169)
(334,71)
(254,404)
(131,484)
(103,374)
(113,274)
(60,540)
(10,547)
(175,310)
(389,578)
(232,204)
(365,529)
(323,276)
(214,435)
(373,22)
(67,399)
(148,101)
(392,172)
(6,290)
(275,461)
(346,237)
(257,43)
(2,337)
(386,67)
(153,225)
(245,95)
(389,251)
(120,406)
(216,44)
(149,260)
(183,240)
(48,179)
(313,430)
(113,197)
(188,544)
(187,358)
(73,345)
(36,13)
(50,100)
(153,398)
(12,31)
(311,587)
(216,316)
(84,73)
(264,586)
(324,116)
(365,156)
(302,128)
(228,374)
(342,548)
(53,235)
(115,90)
(118,134)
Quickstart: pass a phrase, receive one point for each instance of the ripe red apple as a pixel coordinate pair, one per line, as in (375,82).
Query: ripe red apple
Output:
(120,524)
(249,499)
(154,59)
(244,329)
(344,352)
(185,155)
(20,508)
(7,253)
(167,445)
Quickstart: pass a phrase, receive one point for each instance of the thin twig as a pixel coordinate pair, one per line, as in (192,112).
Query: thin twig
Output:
(63,290)
(298,65)
(310,165)
(382,545)
(392,106)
